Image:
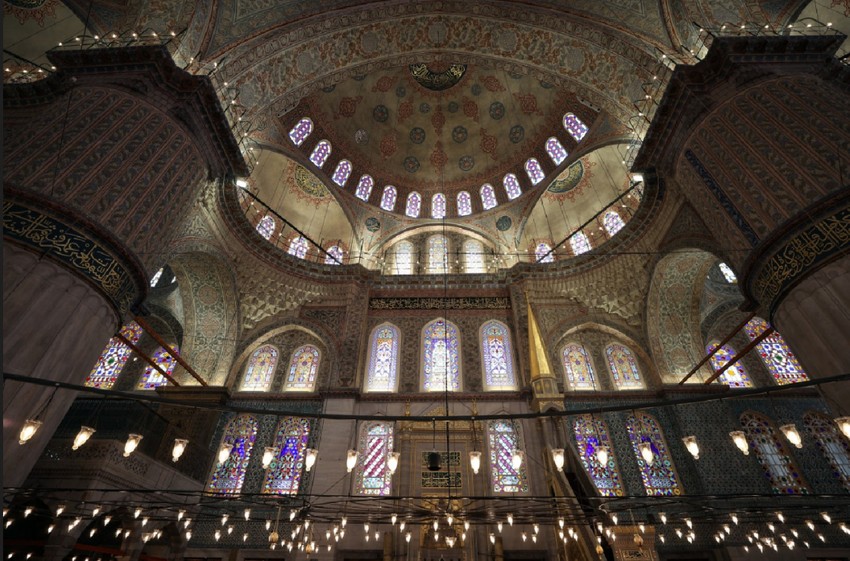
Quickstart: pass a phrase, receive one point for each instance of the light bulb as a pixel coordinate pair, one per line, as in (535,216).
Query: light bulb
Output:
(145,520)
(52,526)
(734,518)
(217,535)
(29,429)
(188,535)
(393,519)
(436,524)
(646,452)
(401,525)
(642,527)
(466,525)
(790,432)
(499,526)
(692,446)
(679,533)
(350,460)
(492,537)
(510,519)
(516,459)
(780,517)
(178,449)
(392,461)
(663,517)
(82,436)
(60,509)
(268,456)
(524,536)
(230,529)
(137,512)
(293,513)
(407,537)
(689,523)
(224,518)
(310,458)
(247,514)
(558,458)
(534,538)
(614,519)
(826,517)
(561,523)
(224,452)
(740,440)
(844,425)
(366,527)
(810,524)
(180,514)
(131,444)
(343,522)
(450,519)
(107,520)
(475,461)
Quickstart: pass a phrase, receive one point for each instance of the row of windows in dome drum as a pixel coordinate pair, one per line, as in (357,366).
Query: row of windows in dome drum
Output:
(299,245)
(322,151)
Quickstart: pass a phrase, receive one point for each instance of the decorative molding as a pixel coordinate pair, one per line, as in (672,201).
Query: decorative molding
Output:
(463,303)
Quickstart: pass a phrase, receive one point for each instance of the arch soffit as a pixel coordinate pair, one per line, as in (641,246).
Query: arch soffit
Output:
(414,231)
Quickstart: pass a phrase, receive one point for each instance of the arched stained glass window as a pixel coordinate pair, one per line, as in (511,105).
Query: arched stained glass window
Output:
(342,172)
(832,443)
(727,273)
(113,358)
(298,247)
(227,477)
(438,254)
(623,367)
(388,198)
(364,187)
(579,243)
(591,434)
(473,257)
(260,370)
(152,378)
(373,477)
(578,368)
(283,475)
(543,253)
(464,204)
(382,375)
(438,206)
(156,277)
(613,223)
(488,196)
(404,258)
(301,131)
(660,477)
(512,188)
(335,255)
(736,375)
(775,354)
(779,468)
(556,150)
(303,367)
(575,127)
(534,171)
(497,356)
(266,226)
(502,440)
(321,153)
(441,356)
(414,204)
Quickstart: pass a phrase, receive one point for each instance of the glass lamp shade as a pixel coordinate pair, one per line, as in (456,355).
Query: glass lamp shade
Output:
(350,460)
(224,452)
(558,458)
(29,429)
(310,458)
(516,459)
(740,440)
(268,456)
(475,461)
(602,455)
(692,446)
(844,425)
(178,449)
(131,444)
(82,436)
(392,461)
(646,452)
(791,433)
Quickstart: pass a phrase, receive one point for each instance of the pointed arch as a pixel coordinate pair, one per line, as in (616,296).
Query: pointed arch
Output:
(488,197)
(364,187)
(342,173)
(834,445)
(512,187)
(773,455)
(497,356)
(335,255)
(543,253)
(575,127)
(382,369)
(372,476)
(775,353)
(283,475)
(228,476)
(503,439)
(438,254)
(266,226)
(321,153)
(441,365)
(579,243)
(302,129)
(613,222)
(388,198)
(111,361)
(414,205)
(591,434)
(735,376)
(404,258)
(151,378)
(556,150)
(260,370)
(438,206)
(534,171)
(473,257)
(578,367)
(464,204)
(623,367)
(303,369)
(659,477)
(298,247)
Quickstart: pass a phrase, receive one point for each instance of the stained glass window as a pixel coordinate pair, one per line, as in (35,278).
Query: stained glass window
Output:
(113,358)
(579,243)
(503,440)
(543,253)
(727,272)
(388,198)
(464,204)
(266,226)
(342,172)
(775,354)
(497,357)
(414,203)
(373,477)
(832,443)
(382,375)
(575,127)
(534,171)
(284,473)
(227,477)
(303,367)
(488,196)
(156,277)
(438,254)
(736,375)
(260,370)
(556,150)
(298,247)
(404,259)
(473,257)
(152,378)
(364,188)
(320,153)
(335,255)
(441,356)
(438,206)
(623,367)
(613,223)
(578,367)
(659,478)
(779,468)
(590,434)
(512,188)
(301,131)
